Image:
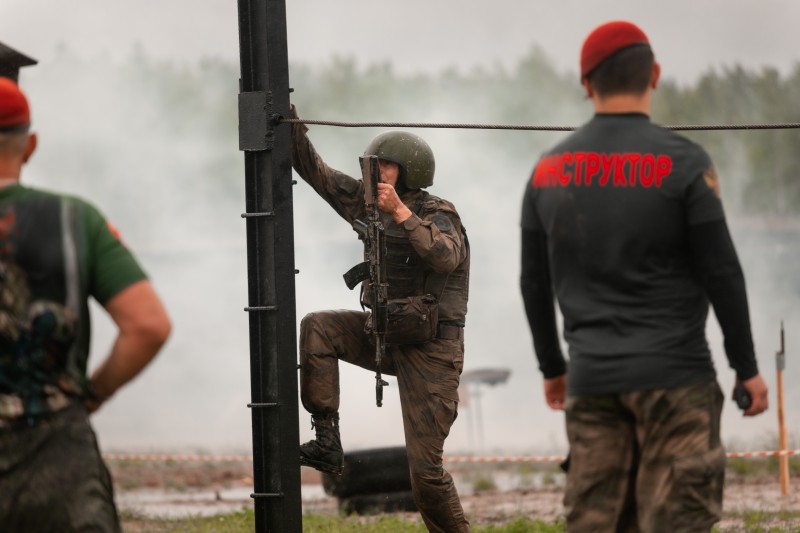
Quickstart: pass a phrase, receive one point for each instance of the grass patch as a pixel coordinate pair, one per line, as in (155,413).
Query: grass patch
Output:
(244,521)
(482,484)
(764,522)
(392,524)
(523,525)
(744,467)
(238,522)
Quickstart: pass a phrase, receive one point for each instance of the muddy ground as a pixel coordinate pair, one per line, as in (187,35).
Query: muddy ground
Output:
(491,494)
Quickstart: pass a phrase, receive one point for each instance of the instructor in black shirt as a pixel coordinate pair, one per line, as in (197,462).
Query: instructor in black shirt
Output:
(623,222)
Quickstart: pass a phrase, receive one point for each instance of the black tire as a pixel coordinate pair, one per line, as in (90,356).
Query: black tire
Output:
(375,471)
(380,503)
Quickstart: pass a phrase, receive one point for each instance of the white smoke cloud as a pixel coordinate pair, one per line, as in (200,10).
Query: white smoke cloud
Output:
(175,188)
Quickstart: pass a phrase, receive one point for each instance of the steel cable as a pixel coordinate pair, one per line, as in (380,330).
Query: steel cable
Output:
(679,127)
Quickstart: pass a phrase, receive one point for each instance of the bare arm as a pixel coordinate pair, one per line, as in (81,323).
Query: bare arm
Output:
(143,329)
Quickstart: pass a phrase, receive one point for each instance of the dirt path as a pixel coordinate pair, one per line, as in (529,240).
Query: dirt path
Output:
(180,489)
(545,504)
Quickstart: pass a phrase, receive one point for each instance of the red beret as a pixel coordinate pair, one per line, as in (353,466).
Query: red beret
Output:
(14,109)
(607,39)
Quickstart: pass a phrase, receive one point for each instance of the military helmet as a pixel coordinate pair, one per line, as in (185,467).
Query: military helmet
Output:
(409,151)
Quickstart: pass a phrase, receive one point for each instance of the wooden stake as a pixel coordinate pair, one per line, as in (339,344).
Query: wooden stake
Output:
(783,460)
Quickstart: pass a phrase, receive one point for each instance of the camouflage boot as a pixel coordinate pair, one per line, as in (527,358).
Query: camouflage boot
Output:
(325,452)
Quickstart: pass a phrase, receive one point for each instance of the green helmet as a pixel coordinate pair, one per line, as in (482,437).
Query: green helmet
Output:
(409,151)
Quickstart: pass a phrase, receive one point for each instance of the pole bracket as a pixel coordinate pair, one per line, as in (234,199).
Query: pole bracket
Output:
(257,121)
(255,495)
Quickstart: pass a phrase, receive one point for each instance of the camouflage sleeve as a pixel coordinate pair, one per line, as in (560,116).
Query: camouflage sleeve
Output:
(342,192)
(437,236)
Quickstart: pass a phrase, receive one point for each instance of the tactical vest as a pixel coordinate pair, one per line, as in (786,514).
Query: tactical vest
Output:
(408,275)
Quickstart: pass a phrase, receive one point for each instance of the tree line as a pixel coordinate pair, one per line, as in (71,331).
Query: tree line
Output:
(759,169)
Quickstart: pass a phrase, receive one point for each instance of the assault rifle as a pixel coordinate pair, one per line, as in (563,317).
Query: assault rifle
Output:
(373,268)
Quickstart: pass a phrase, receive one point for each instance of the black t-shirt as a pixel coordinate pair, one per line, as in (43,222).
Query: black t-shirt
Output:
(615,201)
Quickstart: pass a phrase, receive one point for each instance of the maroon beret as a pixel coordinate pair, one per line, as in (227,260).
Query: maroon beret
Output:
(14,109)
(607,39)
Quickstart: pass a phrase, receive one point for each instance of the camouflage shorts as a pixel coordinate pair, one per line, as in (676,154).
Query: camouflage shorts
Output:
(52,477)
(645,461)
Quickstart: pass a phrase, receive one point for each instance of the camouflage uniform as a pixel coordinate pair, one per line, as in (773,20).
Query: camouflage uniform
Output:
(428,253)
(52,477)
(649,460)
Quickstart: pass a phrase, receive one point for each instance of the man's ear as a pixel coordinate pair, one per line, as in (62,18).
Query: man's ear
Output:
(655,75)
(587,87)
(30,148)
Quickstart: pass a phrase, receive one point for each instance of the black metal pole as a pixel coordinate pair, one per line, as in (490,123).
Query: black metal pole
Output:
(264,93)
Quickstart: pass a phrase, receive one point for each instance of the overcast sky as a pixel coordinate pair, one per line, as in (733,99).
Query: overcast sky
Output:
(689,36)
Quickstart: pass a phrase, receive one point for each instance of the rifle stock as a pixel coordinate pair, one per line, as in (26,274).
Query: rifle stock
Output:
(373,268)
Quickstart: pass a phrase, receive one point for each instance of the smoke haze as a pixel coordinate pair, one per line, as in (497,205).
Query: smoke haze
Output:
(147,132)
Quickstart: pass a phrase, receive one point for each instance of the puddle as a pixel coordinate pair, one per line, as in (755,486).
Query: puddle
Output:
(209,502)
(503,481)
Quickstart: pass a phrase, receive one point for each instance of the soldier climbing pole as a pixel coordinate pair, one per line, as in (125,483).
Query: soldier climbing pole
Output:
(263,97)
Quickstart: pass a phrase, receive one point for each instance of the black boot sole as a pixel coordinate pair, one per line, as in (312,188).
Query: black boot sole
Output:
(322,467)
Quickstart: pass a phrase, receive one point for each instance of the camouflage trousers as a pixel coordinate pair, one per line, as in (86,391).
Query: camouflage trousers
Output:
(647,461)
(427,377)
(52,478)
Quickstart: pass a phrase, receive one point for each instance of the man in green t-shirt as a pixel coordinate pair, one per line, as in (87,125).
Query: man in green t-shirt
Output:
(56,251)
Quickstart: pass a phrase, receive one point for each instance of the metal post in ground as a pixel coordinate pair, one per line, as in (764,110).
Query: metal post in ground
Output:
(263,97)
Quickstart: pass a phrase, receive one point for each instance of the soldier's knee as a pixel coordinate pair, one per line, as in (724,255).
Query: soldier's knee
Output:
(312,330)
(428,477)
(310,321)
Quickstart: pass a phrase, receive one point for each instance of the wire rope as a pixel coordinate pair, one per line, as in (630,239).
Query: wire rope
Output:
(446,125)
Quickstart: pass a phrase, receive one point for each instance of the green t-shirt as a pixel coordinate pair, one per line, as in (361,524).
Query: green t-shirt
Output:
(55,252)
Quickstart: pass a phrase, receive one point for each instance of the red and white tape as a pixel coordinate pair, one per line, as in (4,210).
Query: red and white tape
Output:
(764,454)
(559,458)
(164,457)
(177,458)
(508,459)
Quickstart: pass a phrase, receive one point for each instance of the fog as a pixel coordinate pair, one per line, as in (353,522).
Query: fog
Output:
(174,187)
(416,35)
